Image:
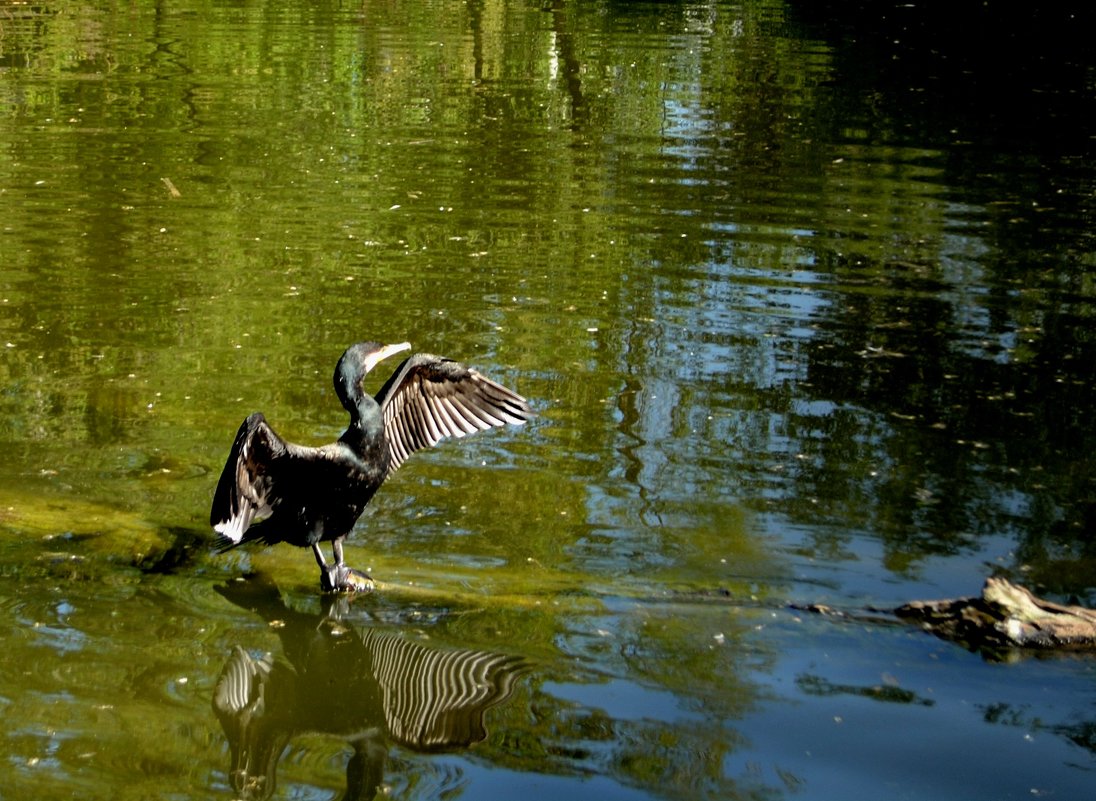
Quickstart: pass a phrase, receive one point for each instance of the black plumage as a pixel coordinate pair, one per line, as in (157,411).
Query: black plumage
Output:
(276,491)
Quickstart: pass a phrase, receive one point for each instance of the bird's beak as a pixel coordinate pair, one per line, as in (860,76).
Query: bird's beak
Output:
(376,357)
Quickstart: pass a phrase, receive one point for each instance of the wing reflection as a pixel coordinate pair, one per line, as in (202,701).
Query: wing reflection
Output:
(370,686)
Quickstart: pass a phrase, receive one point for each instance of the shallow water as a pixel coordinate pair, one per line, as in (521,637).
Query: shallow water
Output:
(802,302)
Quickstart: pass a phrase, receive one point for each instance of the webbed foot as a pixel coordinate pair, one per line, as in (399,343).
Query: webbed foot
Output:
(340,578)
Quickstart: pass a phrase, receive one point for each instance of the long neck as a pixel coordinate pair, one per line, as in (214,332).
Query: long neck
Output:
(365,434)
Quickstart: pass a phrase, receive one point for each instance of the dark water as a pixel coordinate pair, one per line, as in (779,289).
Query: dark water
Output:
(802,294)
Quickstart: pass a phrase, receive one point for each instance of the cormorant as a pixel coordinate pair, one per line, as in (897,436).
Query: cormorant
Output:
(304,495)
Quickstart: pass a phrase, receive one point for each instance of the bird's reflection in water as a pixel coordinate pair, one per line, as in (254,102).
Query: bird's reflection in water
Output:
(373,687)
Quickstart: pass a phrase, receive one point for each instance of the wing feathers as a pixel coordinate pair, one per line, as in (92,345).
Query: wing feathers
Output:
(462,420)
(245,490)
(429,398)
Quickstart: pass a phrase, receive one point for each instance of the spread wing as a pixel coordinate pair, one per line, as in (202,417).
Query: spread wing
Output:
(245,490)
(429,398)
(436,698)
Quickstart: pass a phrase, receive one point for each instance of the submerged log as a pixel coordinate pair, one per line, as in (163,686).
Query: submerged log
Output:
(1005,615)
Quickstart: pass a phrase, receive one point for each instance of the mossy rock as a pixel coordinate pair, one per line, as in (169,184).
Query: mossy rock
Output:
(71,534)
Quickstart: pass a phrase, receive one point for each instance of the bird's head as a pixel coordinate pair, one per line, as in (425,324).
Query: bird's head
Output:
(355,364)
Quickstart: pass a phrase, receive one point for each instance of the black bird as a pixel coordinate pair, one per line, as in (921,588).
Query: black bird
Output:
(305,496)
(366,682)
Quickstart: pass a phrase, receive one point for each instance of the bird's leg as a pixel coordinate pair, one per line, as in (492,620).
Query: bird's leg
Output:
(329,575)
(339,577)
